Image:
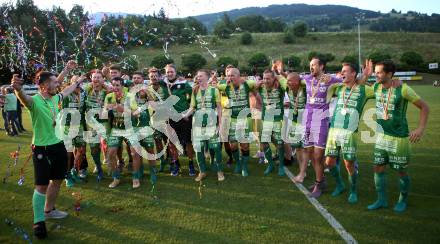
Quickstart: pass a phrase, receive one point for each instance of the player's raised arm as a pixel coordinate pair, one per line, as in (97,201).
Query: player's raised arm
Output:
(17,84)
(66,92)
(69,67)
(366,73)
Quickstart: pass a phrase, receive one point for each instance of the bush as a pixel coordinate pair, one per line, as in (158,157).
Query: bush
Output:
(378,56)
(325,57)
(246,38)
(160,61)
(350,59)
(288,37)
(193,62)
(258,62)
(300,29)
(412,58)
(222,31)
(224,61)
(292,62)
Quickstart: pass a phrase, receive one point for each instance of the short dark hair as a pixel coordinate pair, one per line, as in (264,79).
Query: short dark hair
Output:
(43,77)
(352,66)
(206,71)
(138,73)
(388,66)
(268,71)
(321,61)
(171,66)
(115,67)
(118,79)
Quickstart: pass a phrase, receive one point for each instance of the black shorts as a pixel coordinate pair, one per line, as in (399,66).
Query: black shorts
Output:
(183,130)
(50,163)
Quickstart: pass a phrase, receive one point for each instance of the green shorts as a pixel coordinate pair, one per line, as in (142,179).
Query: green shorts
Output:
(77,141)
(115,141)
(296,134)
(94,133)
(239,130)
(157,135)
(271,131)
(147,141)
(342,139)
(392,150)
(212,143)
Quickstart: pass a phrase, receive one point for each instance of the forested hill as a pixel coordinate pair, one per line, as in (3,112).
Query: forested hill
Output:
(331,18)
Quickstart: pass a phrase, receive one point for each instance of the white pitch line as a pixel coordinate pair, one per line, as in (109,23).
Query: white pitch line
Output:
(348,238)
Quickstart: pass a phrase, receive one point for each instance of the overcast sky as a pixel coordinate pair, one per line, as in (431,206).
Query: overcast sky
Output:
(183,8)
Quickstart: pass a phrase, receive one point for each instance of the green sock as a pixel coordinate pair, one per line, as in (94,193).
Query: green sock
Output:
(281,156)
(38,201)
(153,177)
(116,174)
(380,183)
(236,156)
(245,160)
(201,161)
(268,155)
(162,160)
(337,174)
(404,183)
(141,169)
(353,181)
(97,160)
(218,159)
(136,174)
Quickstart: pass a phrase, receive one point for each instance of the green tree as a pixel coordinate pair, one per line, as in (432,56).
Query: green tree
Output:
(228,22)
(193,62)
(324,57)
(379,56)
(288,37)
(160,61)
(224,61)
(300,29)
(222,31)
(258,62)
(412,58)
(292,62)
(353,59)
(246,38)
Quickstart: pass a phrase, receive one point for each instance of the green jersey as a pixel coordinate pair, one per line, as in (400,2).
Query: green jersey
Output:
(205,99)
(10,102)
(350,102)
(158,94)
(391,105)
(118,117)
(238,97)
(182,89)
(75,101)
(43,115)
(273,99)
(297,101)
(144,117)
(94,99)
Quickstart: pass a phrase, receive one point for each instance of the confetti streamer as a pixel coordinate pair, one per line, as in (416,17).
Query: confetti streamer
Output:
(201,185)
(22,169)
(77,206)
(13,155)
(19,231)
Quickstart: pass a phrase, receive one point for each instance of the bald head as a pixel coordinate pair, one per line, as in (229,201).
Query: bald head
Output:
(233,75)
(293,80)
